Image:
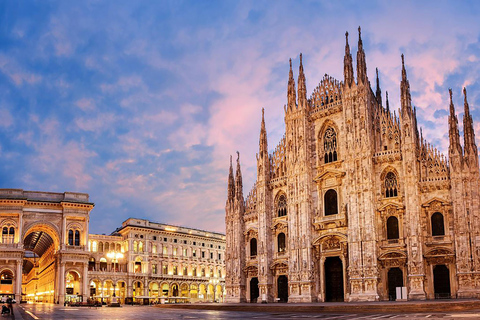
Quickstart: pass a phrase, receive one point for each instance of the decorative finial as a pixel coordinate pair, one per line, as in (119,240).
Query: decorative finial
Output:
(359,31)
(290,63)
(450,92)
(238,156)
(465,93)
(300,58)
(403,61)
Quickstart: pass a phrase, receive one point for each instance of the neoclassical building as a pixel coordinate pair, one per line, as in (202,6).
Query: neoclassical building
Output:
(48,255)
(353,204)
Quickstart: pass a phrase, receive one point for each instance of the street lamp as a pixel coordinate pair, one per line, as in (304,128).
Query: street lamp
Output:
(114,256)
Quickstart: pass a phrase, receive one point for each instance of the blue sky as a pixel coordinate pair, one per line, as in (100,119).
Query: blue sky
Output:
(141,103)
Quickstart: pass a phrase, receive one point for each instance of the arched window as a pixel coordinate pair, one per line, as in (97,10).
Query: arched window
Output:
(8,234)
(103,264)
(119,247)
(154,249)
(135,246)
(175,270)
(392,228)
(194,272)
(107,246)
(203,272)
(77,238)
(100,247)
(94,246)
(330,145)
(281,242)
(282,206)
(253,247)
(330,202)
(91,264)
(140,246)
(70,237)
(185,272)
(390,185)
(438,226)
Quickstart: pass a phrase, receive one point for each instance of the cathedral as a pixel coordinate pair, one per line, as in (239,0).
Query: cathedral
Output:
(353,204)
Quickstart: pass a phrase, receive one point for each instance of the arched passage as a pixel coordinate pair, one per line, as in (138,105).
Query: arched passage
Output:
(333,279)
(40,243)
(395,279)
(254,292)
(282,288)
(441,281)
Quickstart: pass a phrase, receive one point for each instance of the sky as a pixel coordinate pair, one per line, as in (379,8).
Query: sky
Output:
(141,103)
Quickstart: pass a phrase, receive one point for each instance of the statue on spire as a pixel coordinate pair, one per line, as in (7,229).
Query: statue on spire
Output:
(347,64)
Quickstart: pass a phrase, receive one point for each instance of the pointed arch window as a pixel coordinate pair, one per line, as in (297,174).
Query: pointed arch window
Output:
(330,202)
(438,225)
(330,145)
(281,243)
(282,206)
(253,248)
(392,228)
(391,185)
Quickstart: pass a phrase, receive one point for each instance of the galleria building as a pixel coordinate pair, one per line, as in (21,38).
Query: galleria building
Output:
(353,204)
(48,255)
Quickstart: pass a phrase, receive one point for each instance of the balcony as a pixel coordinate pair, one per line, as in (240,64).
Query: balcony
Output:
(393,243)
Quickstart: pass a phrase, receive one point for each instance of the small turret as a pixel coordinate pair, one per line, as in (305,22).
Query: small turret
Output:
(470,147)
(302,87)
(231,183)
(454,148)
(386,102)
(406,99)
(378,93)
(291,95)
(361,61)
(263,144)
(347,64)
(238,181)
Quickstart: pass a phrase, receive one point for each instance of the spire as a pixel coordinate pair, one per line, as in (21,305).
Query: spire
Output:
(231,182)
(238,180)
(347,64)
(387,103)
(302,88)
(406,99)
(468,132)
(453,134)
(263,138)
(291,96)
(378,93)
(361,61)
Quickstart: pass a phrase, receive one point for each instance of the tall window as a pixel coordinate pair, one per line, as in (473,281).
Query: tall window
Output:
(154,268)
(94,246)
(194,272)
(100,247)
(253,247)
(135,246)
(282,206)
(438,226)
(330,145)
(73,237)
(392,228)
(390,185)
(8,234)
(140,246)
(330,202)
(281,242)
(70,237)
(185,271)
(175,270)
(164,269)
(77,238)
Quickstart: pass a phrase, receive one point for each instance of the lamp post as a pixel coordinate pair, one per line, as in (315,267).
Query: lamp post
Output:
(114,256)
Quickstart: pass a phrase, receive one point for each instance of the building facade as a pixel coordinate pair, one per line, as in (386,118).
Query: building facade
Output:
(353,203)
(48,255)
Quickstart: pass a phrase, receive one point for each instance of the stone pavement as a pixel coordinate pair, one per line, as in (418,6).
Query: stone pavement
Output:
(341,307)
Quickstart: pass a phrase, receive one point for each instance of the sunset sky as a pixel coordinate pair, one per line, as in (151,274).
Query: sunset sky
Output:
(141,103)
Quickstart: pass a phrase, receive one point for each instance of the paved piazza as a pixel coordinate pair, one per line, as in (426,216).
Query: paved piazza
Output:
(50,311)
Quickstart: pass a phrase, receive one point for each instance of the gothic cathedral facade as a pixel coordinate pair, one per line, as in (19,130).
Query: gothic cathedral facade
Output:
(353,203)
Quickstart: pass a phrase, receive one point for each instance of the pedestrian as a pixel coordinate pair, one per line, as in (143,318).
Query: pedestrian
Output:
(10,305)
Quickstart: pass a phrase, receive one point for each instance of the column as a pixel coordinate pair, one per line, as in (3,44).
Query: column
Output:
(61,283)
(18,282)
(86,286)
